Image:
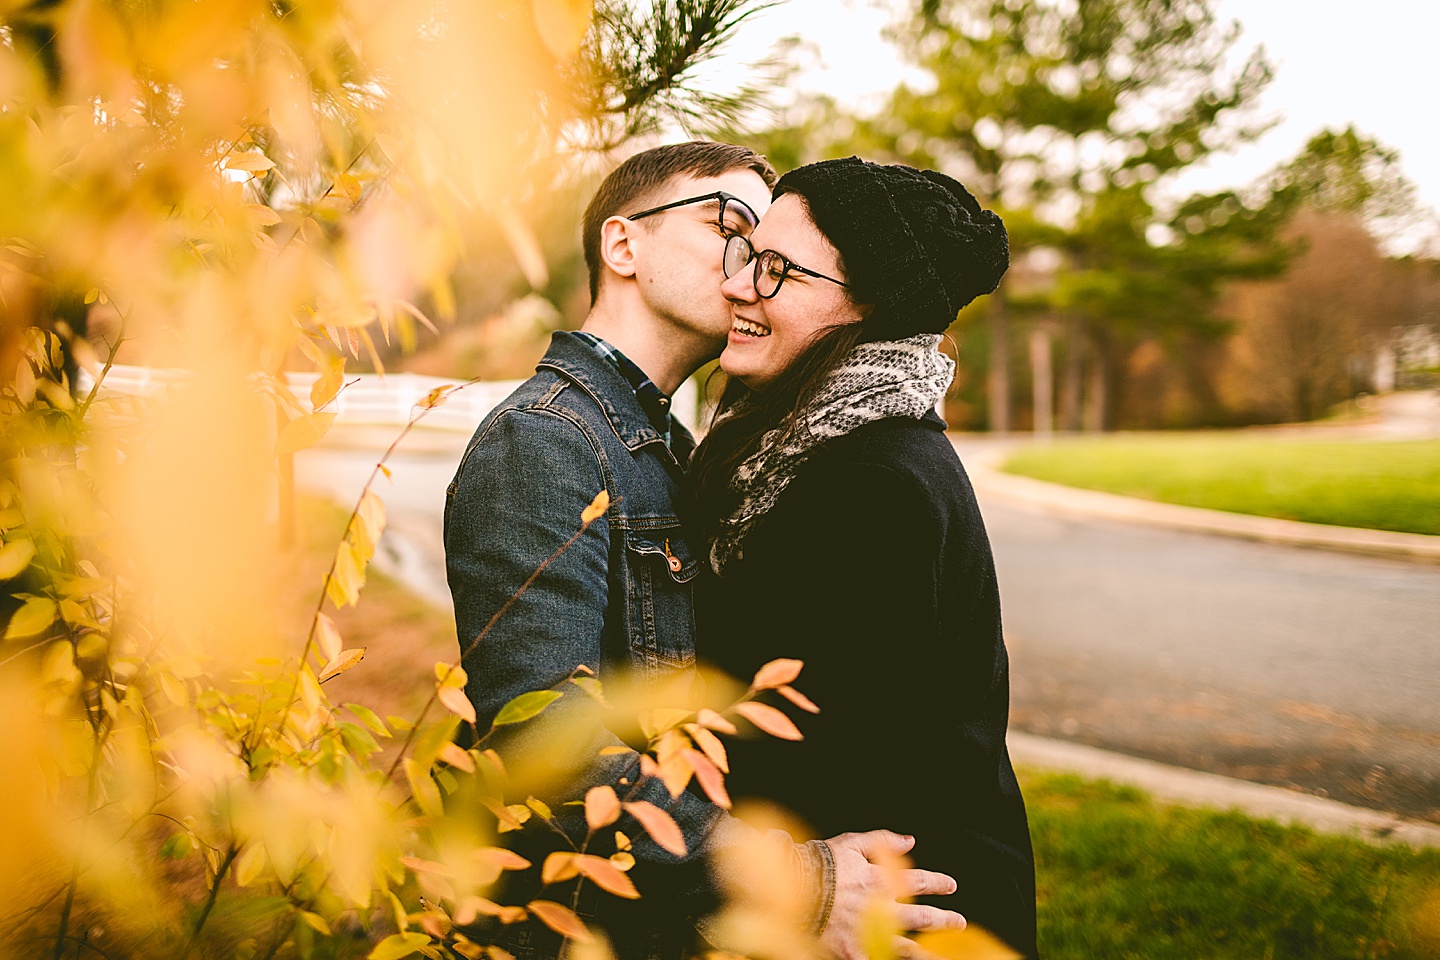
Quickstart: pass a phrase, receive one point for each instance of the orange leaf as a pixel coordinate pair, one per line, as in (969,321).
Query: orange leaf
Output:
(457,703)
(769,719)
(606,876)
(712,781)
(597,508)
(662,829)
(453,755)
(798,698)
(560,919)
(558,866)
(713,720)
(776,673)
(602,807)
(675,769)
(502,858)
(711,744)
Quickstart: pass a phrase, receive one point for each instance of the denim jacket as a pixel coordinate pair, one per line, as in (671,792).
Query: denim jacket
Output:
(618,600)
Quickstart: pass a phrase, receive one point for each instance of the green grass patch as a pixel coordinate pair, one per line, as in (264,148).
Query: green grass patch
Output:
(1121,876)
(1380,484)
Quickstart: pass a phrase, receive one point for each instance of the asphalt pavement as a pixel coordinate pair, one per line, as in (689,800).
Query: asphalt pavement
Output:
(1276,664)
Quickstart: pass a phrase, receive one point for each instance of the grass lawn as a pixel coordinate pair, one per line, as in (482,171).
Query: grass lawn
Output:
(1121,876)
(1381,484)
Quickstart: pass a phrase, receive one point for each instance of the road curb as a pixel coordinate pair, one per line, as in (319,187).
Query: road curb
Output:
(983,468)
(1193,788)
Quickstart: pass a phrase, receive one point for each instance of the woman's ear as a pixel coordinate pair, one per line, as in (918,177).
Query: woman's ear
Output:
(617,245)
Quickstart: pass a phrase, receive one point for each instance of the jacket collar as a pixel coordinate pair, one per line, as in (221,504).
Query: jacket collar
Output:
(576,360)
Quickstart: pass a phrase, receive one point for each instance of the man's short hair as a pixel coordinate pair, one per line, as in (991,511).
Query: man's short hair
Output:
(635,180)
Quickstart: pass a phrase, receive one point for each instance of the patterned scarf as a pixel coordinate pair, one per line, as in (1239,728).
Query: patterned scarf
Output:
(893,378)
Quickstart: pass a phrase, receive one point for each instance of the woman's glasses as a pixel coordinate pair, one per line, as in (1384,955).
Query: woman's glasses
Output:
(771,268)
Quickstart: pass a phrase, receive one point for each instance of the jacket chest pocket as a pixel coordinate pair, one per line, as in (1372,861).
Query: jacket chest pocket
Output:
(660,570)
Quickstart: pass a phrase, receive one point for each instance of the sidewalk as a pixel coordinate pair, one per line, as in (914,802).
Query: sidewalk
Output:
(982,462)
(1192,788)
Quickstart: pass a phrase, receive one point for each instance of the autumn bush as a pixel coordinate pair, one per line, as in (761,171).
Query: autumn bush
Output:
(230,190)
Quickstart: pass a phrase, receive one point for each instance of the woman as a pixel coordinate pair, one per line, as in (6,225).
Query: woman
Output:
(842,530)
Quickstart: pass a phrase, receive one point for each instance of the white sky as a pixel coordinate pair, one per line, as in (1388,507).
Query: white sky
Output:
(1374,63)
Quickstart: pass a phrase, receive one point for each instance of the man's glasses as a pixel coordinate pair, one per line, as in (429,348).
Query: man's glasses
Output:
(736,217)
(771,268)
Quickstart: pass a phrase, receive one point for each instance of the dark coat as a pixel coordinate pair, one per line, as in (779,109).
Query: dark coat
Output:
(873,567)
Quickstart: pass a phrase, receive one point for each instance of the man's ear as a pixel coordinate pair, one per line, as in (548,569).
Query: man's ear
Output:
(617,245)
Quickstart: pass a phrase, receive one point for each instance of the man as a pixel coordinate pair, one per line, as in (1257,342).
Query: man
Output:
(596,417)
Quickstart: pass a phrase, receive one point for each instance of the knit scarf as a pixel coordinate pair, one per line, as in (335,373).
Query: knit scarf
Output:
(892,378)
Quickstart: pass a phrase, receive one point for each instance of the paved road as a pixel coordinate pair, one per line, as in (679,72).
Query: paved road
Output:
(1276,664)
(1271,663)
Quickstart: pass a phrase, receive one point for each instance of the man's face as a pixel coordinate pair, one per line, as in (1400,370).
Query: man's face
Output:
(678,257)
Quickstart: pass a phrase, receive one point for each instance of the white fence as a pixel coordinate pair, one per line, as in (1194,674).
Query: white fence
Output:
(373,400)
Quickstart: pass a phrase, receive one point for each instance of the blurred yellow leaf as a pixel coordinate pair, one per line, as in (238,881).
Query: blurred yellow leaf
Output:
(371,514)
(659,824)
(250,863)
(674,766)
(457,703)
(615,751)
(622,860)
(332,377)
(59,665)
(558,866)
(606,875)
(34,615)
(450,675)
(597,508)
(340,664)
(304,431)
(327,638)
(540,807)
(349,186)
(511,817)
(560,919)
(776,673)
(972,943)
(525,706)
(769,719)
(262,215)
(502,858)
(15,556)
(562,24)
(316,921)
(427,794)
(398,945)
(251,162)
(602,807)
(349,576)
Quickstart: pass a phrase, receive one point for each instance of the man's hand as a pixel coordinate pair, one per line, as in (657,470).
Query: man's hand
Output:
(864,873)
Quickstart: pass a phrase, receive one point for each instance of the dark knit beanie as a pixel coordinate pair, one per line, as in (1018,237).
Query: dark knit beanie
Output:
(915,243)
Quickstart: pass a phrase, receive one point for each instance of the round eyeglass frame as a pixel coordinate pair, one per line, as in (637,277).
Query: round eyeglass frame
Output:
(749,215)
(763,260)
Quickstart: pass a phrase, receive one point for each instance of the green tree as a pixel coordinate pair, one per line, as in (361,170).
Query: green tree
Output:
(1066,117)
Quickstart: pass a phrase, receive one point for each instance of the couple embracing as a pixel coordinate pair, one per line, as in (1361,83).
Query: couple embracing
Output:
(824,518)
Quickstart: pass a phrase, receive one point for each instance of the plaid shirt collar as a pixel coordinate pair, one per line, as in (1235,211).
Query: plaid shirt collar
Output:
(655,404)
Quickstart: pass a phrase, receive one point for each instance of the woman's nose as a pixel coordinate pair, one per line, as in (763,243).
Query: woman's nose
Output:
(740,288)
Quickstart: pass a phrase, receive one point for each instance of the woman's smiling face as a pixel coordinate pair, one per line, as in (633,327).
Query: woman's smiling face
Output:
(767,335)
